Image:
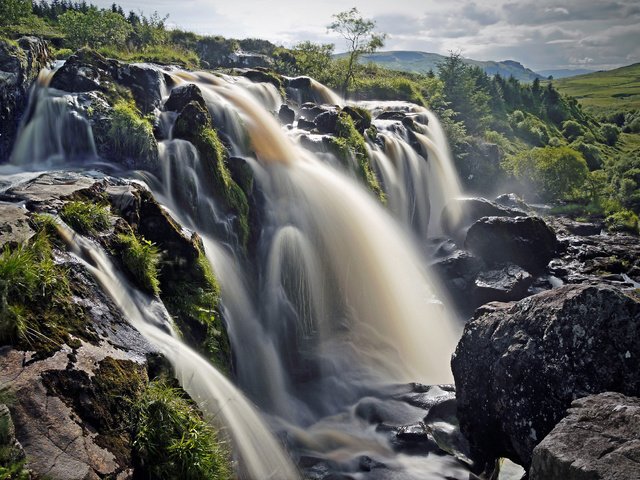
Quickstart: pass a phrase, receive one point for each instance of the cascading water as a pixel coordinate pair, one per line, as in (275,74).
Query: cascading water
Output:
(338,305)
(260,453)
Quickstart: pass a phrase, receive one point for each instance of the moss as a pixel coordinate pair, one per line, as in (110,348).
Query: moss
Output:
(172,440)
(37,311)
(348,137)
(266,76)
(85,217)
(131,136)
(194,302)
(141,259)
(622,221)
(194,125)
(361,117)
(105,402)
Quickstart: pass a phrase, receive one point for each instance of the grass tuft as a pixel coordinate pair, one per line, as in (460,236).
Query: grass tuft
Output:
(141,258)
(85,217)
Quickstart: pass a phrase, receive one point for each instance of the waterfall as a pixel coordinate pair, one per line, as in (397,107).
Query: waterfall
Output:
(336,302)
(260,453)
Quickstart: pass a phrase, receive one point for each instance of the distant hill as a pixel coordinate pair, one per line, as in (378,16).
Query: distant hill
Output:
(565,73)
(611,90)
(422,62)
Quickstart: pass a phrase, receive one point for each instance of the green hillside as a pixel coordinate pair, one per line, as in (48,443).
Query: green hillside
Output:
(422,62)
(608,91)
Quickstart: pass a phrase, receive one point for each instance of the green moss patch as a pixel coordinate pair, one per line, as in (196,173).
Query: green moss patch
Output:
(141,259)
(172,439)
(131,136)
(85,217)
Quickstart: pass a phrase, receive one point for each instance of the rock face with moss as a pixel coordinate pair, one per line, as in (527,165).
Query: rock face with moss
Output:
(20,63)
(75,375)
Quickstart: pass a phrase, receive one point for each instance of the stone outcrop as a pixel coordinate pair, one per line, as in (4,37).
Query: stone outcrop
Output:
(599,439)
(525,241)
(519,366)
(20,64)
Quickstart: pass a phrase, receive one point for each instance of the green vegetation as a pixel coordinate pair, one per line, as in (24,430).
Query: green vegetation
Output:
(85,217)
(131,134)
(361,38)
(36,307)
(141,259)
(172,440)
(605,92)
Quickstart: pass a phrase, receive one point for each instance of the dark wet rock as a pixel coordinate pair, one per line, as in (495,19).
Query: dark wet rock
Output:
(305,124)
(298,82)
(567,226)
(286,115)
(457,272)
(326,122)
(462,212)
(519,366)
(182,95)
(504,284)
(264,76)
(442,425)
(389,412)
(367,464)
(525,241)
(19,67)
(392,115)
(84,71)
(414,433)
(608,257)
(361,117)
(311,111)
(599,439)
(511,200)
(147,84)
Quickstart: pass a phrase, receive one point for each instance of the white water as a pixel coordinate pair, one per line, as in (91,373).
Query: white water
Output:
(260,453)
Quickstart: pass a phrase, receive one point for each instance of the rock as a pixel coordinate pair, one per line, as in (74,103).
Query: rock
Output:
(182,95)
(19,67)
(14,225)
(511,200)
(147,84)
(503,285)
(568,226)
(462,212)
(519,366)
(525,241)
(326,122)
(264,76)
(305,124)
(85,71)
(442,424)
(286,115)
(392,115)
(457,273)
(361,117)
(310,111)
(298,83)
(599,439)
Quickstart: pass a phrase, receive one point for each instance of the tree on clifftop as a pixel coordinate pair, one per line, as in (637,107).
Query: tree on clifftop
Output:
(360,37)
(12,11)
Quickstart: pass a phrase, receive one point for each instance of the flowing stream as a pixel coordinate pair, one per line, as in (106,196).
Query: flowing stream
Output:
(337,305)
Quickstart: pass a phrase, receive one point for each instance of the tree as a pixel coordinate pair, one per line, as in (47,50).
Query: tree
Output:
(555,172)
(12,11)
(360,36)
(96,28)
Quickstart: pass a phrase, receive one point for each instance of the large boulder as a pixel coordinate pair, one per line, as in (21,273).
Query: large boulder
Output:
(462,212)
(598,440)
(19,67)
(519,366)
(525,241)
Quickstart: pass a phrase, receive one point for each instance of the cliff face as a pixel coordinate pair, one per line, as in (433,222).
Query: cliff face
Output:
(20,63)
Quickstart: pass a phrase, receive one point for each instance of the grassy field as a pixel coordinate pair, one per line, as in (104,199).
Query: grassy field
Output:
(601,92)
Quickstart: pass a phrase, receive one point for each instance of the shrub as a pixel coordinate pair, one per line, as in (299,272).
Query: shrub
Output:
(555,172)
(610,133)
(622,221)
(95,28)
(14,11)
(141,258)
(85,217)
(572,130)
(173,441)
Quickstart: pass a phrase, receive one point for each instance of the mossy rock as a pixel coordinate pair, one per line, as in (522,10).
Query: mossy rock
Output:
(360,116)
(265,76)
(194,125)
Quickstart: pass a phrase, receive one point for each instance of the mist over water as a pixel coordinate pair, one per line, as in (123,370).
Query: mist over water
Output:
(336,307)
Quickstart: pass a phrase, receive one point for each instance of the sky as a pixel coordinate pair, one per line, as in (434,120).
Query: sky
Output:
(541,34)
